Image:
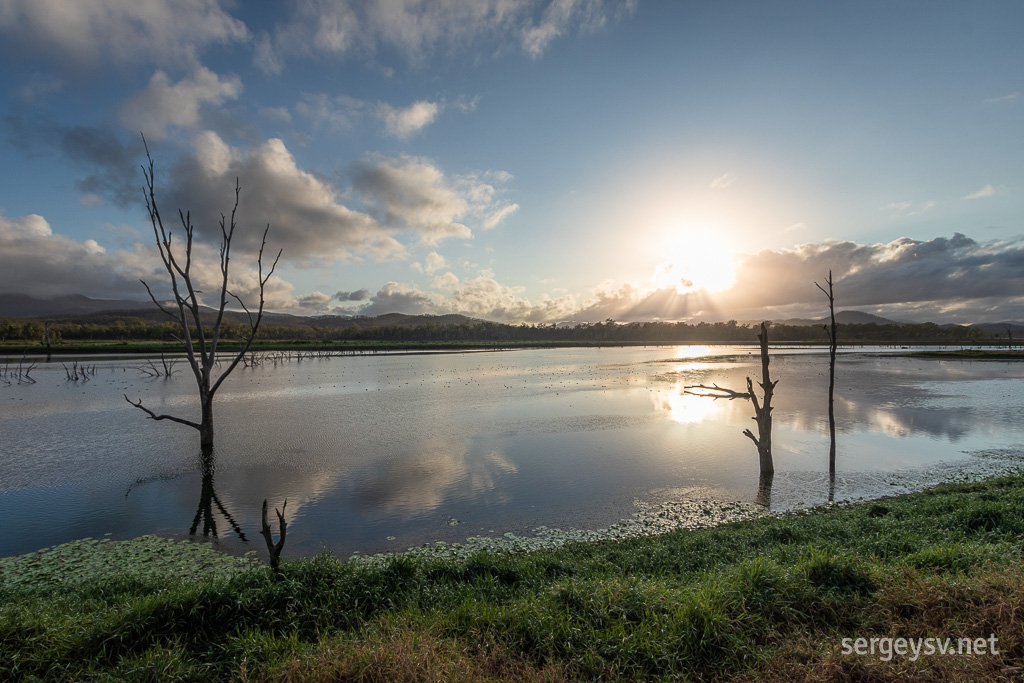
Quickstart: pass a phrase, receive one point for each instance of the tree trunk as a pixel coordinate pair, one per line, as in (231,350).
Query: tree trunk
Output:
(831,330)
(763,411)
(206,424)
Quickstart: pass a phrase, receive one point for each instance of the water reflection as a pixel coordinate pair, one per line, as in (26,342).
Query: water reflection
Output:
(437,473)
(208,499)
(377,453)
(684,407)
(764,490)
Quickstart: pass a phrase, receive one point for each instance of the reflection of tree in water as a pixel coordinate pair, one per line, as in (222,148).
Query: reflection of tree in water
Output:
(764,490)
(208,500)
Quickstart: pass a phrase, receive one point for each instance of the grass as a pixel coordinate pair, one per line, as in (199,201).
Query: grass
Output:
(769,599)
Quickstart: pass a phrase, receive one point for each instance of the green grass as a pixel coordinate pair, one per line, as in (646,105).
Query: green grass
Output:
(768,599)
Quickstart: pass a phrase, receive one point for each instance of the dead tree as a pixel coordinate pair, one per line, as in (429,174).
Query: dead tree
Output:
(831,331)
(185,309)
(762,409)
(274,548)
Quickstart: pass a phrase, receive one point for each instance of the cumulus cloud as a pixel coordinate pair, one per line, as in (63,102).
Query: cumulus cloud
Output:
(36,261)
(163,103)
(412,193)
(416,29)
(358,295)
(944,279)
(110,167)
(434,262)
(302,209)
(315,300)
(398,298)
(405,122)
(100,32)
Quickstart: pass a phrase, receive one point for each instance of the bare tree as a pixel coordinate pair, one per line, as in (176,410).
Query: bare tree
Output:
(185,309)
(762,409)
(831,373)
(275,548)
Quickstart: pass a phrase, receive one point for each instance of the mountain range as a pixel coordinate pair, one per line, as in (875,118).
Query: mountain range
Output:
(76,306)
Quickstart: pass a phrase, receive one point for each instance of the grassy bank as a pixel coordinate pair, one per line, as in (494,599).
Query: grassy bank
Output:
(769,599)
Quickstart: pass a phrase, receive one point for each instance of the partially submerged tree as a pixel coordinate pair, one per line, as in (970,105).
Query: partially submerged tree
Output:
(831,330)
(186,308)
(762,409)
(275,548)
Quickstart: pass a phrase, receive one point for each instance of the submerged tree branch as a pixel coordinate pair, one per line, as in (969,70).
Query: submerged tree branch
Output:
(724,393)
(154,416)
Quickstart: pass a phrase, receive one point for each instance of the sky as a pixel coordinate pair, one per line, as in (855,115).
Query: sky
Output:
(538,161)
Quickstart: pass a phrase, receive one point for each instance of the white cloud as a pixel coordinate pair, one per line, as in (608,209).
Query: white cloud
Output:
(303,210)
(412,193)
(723,181)
(416,29)
(403,123)
(36,261)
(1004,98)
(561,16)
(447,281)
(98,32)
(163,103)
(434,262)
(342,113)
(944,279)
(987,191)
(908,208)
(317,301)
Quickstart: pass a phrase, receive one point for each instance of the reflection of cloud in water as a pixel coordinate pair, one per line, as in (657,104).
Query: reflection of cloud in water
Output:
(896,421)
(427,479)
(686,408)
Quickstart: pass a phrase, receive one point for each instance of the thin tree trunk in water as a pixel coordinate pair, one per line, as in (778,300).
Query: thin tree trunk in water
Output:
(831,374)
(206,424)
(763,411)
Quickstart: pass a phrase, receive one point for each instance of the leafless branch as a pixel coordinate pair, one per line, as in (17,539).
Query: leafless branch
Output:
(154,416)
(724,393)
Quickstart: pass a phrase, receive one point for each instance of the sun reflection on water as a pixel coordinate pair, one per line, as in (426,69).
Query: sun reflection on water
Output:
(686,408)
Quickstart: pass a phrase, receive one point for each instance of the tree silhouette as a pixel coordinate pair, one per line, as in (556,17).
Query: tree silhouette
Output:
(200,349)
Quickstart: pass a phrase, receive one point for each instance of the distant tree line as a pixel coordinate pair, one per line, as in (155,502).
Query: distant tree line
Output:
(125,328)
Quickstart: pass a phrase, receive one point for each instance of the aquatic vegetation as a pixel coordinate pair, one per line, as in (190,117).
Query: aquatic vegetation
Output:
(144,559)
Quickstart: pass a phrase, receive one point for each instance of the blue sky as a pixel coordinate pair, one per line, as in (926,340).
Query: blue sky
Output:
(527,160)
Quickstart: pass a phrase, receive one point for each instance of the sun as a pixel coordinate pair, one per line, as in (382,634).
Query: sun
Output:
(698,259)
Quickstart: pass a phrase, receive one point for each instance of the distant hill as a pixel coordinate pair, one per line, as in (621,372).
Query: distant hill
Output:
(843,318)
(82,309)
(25,306)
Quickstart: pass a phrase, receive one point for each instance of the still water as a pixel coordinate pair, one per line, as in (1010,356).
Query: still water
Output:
(384,452)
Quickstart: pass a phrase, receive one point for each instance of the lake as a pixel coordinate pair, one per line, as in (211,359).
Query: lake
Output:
(381,452)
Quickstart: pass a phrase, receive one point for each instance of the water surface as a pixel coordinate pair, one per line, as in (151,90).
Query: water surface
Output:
(383,452)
